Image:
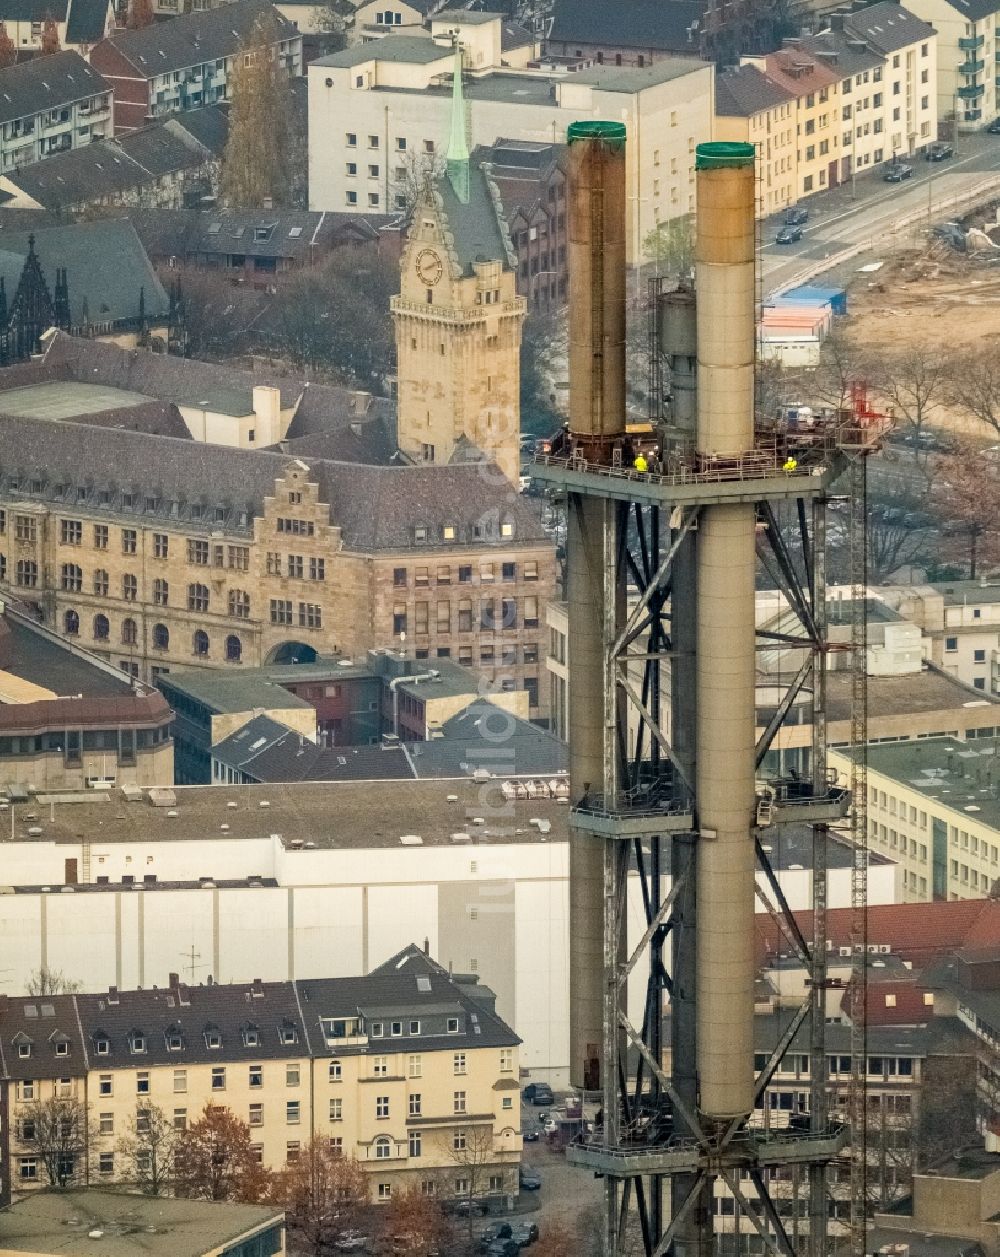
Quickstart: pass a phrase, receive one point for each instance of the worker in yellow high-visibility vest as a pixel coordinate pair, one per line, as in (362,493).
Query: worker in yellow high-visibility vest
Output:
(789,465)
(640,463)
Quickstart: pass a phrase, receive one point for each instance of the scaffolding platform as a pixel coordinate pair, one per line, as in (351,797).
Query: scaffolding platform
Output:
(748,1149)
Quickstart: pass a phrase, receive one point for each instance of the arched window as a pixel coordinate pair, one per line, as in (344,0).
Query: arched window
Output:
(72,622)
(239,604)
(130,634)
(161,592)
(197,597)
(383,1148)
(161,637)
(200,641)
(101,582)
(102,629)
(72,577)
(234,649)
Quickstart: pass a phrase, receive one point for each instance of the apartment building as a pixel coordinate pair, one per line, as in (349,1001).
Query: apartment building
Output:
(171,67)
(933,807)
(407,1068)
(647,31)
(70,721)
(752,109)
(966,83)
(158,553)
(79,23)
(50,105)
(960,622)
(379,112)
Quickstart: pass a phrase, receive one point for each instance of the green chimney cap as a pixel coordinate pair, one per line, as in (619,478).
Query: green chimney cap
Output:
(718,155)
(595,131)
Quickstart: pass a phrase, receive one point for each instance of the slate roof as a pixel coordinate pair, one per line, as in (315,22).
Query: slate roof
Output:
(268,751)
(108,167)
(40,1022)
(194,1012)
(87,22)
(478,229)
(45,83)
(30,651)
(105,263)
(414,49)
(194,38)
(888,27)
(659,24)
(527,750)
(208,125)
(843,51)
(744,91)
(513,35)
(375,509)
(368,441)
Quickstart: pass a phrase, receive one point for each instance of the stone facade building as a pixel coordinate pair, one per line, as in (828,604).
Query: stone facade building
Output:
(160,553)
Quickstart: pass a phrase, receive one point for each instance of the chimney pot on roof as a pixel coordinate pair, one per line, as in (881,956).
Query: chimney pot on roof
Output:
(836,21)
(112,995)
(175,981)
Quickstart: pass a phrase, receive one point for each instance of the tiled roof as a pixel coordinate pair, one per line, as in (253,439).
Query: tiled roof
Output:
(40,1023)
(899,1002)
(109,167)
(477,228)
(630,23)
(194,38)
(844,52)
(268,751)
(915,931)
(46,83)
(799,71)
(744,91)
(888,27)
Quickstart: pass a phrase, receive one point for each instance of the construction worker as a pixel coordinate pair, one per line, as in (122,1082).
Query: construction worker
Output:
(789,465)
(640,464)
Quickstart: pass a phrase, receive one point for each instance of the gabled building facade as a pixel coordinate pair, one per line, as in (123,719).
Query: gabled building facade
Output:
(752,109)
(79,24)
(967,47)
(51,105)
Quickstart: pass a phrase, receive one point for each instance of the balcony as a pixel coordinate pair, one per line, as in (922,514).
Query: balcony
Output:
(969,68)
(972,115)
(971,43)
(971,93)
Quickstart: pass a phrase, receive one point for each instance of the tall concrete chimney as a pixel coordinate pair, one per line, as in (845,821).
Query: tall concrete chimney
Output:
(597,423)
(725,740)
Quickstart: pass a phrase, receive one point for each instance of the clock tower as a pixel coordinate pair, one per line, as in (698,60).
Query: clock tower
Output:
(458,317)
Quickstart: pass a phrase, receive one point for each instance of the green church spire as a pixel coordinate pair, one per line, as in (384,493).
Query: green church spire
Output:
(458,145)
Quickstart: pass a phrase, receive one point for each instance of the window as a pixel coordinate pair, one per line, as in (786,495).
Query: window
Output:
(352,140)
(414,1066)
(292,1149)
(106,1163)
(28,1169)
(129,540)
(458,1144)
(142,1083)
(381,1106)
(25,528)
(71,532)
(71,623)
(317,569)
(281,611)
(200,643)
(180,1081)
(380,1066)
(180,1119)
(951,644)
(161,545)
(458,1063)
(292,1073)
(130,587)
(130,632)
(197,599)
(105,1086)
(385,1191)
(27,573)
(459,1102)
(72,577)
(100,536)
(219,1078)
(336,1109)
(979,656)
(198,553)
(106,1124)
(383,1148)
(336,1071)
(161,637)
(292,1112)
(310,615)
(506,1060)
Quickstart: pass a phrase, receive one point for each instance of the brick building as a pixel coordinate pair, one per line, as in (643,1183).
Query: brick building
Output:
(160,553)
(171,67)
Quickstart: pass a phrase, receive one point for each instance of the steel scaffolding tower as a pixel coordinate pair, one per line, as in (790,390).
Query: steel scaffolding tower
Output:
(667,766)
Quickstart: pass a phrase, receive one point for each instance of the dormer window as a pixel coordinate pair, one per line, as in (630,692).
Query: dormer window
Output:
(251,1036)
(213,1039)
(289,1034)
(175,1041)
(396,1029)
(376,1030)
(453,1025)
(24,1050)
(62,1047)
(102,1047)
(420,533)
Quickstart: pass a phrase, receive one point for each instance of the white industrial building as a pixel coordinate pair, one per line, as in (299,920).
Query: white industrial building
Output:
(318,880)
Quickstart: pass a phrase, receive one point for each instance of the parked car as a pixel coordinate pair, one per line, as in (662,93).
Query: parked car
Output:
(529,1178)
(524,1233)
(796,215)
(788,235)
(994,127)
(495,1231)
(938,152)
(530,1136)
(538,1093)
(897,171)
(474,1208)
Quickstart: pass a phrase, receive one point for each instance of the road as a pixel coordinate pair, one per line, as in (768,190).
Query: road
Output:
(838,219)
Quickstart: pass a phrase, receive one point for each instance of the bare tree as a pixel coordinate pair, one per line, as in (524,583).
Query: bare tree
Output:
(322,1193)
(918,384)
(947,1117)
(415,1223)
(215,1160)
(470,1150)
(55,1131)
(413,171)
(963,491)
(46,981)
(148,1149)
(974,387)
(669,247)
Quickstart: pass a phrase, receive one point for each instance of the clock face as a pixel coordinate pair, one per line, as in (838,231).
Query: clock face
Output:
(430,268)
